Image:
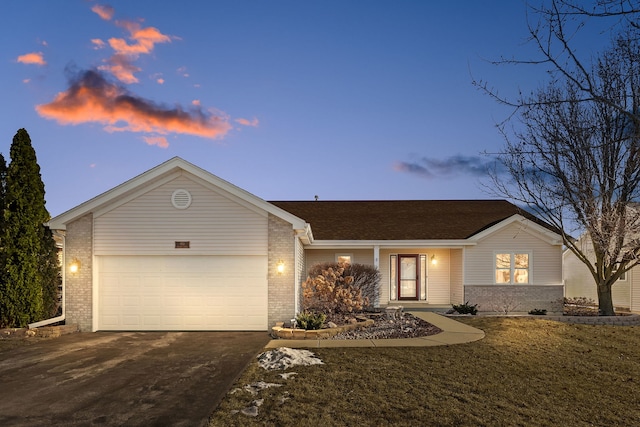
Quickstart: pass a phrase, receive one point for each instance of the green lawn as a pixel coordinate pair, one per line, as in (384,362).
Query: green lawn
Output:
(525,372)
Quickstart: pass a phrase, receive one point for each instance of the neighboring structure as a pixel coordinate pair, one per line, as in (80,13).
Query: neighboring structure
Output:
(177,248)
(579,283)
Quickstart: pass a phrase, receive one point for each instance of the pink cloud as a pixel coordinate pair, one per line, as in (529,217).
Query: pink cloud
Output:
(246,122)
(160,81)
(92,99)
(32,58)
(195,102)
(160,141)
(122,68)
(98,44)
(103,11)
(144,39)
(143,42)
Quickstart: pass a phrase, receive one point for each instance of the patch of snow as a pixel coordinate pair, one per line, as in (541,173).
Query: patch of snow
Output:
(284,358)
(252,410)
(258,386)
(288,375)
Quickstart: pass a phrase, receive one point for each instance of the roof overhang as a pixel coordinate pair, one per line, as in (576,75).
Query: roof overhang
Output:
(369,244)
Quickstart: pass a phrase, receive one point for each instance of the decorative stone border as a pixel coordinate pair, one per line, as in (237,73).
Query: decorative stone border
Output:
(623,320)
(318,334)
(627,319)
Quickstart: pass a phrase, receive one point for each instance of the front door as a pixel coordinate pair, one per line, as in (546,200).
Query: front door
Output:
(408,274)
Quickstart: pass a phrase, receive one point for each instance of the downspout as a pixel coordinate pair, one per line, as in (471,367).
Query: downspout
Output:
(64,280)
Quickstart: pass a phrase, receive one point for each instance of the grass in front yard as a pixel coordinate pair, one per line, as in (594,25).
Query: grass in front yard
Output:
(524,372)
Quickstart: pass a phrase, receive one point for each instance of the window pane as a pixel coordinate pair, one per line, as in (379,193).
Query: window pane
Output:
(522,260)
(423,277)
(408,288)
(503,261)
(344,259)
(503,276)
(393,278)
(521,276)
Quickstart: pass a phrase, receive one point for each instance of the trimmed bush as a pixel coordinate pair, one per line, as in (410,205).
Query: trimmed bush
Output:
(310,321)
(466,308)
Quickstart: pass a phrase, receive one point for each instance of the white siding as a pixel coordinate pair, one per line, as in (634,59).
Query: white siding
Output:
(384,275)
(457,291)
(579,282)
(214,224)
(438,280)
(319,256)
(635,290)
(546,259)
(621,293)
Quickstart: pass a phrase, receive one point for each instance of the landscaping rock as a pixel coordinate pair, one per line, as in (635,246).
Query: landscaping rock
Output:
(406,326)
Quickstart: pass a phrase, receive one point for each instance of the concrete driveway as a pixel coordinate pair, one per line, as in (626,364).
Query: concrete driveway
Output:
(122,378)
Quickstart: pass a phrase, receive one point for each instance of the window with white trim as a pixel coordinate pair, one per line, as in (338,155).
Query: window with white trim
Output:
(344,258)
(512,267)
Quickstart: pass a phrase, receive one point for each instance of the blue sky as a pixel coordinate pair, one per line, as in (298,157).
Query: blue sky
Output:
(342,99)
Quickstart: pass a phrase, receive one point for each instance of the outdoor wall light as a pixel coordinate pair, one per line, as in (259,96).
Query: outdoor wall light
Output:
(434,260)
(280,267)
(74,266)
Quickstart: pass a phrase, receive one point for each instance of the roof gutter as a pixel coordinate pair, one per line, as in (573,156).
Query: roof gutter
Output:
(367,244)
(63,302)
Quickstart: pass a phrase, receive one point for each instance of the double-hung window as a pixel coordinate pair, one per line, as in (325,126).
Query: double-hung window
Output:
(512,267)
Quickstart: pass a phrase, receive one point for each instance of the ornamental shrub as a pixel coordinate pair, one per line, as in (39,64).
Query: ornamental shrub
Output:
(341,287)
(466,308)
(308,320)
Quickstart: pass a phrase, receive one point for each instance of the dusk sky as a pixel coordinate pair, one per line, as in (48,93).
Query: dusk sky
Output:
(343,99)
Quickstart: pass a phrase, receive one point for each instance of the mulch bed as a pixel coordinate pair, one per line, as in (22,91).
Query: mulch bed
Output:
(584,310)
(407,326)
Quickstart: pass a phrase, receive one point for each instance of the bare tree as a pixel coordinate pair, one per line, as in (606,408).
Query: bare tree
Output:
(572,152)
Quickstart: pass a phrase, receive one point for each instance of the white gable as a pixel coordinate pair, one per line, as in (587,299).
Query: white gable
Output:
(167,172)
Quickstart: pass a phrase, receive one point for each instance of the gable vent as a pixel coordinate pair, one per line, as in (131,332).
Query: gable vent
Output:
(181,199)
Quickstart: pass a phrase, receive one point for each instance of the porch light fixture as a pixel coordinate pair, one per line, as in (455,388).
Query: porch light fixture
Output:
(434,260)
(74,266)
(280,267)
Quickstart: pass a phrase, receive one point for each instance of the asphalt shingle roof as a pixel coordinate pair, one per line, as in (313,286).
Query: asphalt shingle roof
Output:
(401,219)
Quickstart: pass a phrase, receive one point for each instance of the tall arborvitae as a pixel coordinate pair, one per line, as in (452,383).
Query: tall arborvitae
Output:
(24,218)
(4,292)
(50,273)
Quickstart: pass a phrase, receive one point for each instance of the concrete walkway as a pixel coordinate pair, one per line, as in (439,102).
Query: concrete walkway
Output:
(453,332)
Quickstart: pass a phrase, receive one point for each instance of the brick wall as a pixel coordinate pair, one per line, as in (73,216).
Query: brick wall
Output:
(281,286)
(78,298)
(515,298)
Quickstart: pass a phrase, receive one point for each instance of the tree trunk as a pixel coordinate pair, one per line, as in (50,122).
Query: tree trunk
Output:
(605,300)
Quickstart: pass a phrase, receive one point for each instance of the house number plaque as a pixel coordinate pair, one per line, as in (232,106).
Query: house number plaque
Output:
(182,245)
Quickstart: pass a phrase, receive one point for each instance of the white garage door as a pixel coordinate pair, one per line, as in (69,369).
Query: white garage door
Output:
(184,293)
